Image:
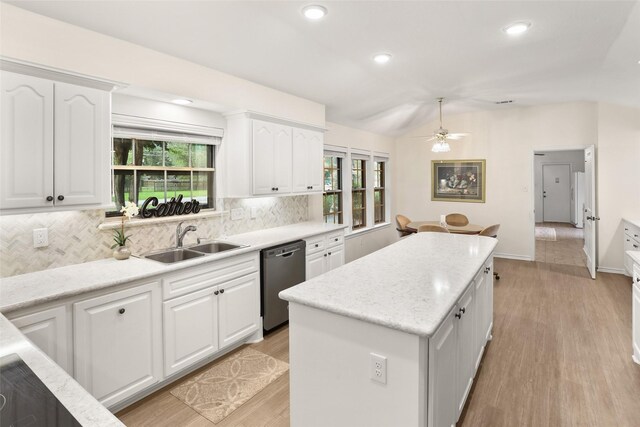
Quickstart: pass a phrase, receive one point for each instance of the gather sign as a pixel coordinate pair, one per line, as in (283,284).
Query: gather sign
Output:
(152,208)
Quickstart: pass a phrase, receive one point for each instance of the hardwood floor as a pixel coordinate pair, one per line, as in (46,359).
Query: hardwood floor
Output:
(560,356)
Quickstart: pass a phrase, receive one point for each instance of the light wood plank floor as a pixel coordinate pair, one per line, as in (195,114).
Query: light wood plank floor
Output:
(560,356)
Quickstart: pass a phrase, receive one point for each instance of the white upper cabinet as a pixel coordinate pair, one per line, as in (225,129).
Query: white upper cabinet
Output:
(271,158)
(262,157)
(55,144)
(82,138)
(307,169)
(26,147)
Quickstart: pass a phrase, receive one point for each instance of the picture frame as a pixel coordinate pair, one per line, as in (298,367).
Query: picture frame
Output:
(458,180)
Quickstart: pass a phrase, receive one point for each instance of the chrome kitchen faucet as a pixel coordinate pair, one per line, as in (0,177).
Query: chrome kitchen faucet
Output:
(180,233)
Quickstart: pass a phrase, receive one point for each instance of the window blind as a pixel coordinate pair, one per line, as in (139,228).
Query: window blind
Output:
(164,136)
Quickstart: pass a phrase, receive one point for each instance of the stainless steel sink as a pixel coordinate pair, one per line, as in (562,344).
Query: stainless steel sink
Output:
(170,256)
(214,247)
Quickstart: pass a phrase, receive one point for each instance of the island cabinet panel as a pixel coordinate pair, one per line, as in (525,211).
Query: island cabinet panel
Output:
(118,342)
(443,349)
(331,382)
(466,346)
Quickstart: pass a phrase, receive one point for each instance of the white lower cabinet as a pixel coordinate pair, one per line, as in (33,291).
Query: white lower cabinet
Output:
(635,307)
(200,323)
(456,348)
(239,309)
(48,330)
(324,253)
(118,342)
(190,329)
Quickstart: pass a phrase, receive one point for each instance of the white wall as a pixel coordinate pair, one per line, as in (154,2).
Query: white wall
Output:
(618,178)
(35,38)
(506,139)
(574,158)
(363,243)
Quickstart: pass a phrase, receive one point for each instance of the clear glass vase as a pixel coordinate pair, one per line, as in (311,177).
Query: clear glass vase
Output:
(121,252)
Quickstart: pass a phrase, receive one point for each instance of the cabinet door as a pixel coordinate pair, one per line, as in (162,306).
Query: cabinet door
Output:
(481,314)
(465,341)
(47,329)
(300,154)
(190,329)
(488,300)
(628,246)
(315,154)
(335,256)
(118,343)
(316,264)
(636,316)
(239,305)
(283,160)
(264,140)
(26,144)
(442,373)
(82,141)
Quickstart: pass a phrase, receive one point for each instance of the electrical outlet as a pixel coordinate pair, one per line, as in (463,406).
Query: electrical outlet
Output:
(378,368)
(237,214)
(40,237)
(254,212)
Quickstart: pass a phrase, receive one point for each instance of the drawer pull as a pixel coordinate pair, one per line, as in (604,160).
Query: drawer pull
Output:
(222,291)
(458,315)
(635,246)
(316,245)
(463,310)
(216,292)
(49,198)
(61,197)
(121,311)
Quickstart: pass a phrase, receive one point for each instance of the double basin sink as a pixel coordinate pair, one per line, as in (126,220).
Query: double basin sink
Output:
(169,256)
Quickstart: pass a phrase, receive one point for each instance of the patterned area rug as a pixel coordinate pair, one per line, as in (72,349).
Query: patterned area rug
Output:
(546,233)
(221,389)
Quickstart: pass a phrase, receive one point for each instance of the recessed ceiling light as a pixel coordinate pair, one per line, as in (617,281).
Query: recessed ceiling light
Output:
(314,12)
(182,101)
(517,28)
(382,58)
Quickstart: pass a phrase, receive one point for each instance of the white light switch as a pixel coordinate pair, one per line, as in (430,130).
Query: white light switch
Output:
(254,212)
(40,237)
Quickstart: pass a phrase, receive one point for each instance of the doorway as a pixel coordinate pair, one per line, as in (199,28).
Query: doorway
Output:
(559,192)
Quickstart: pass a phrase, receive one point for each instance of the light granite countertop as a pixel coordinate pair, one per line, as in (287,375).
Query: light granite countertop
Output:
(31,289)
(632,221)
(410,286)
(84,407)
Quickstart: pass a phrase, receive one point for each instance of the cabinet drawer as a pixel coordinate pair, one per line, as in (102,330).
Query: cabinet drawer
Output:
(204,276)
(315,244)
(335,239)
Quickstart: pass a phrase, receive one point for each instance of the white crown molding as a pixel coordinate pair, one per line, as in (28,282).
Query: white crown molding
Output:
(273,119)
(56,74)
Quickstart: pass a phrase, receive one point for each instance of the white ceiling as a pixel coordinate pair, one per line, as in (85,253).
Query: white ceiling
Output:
(574,50)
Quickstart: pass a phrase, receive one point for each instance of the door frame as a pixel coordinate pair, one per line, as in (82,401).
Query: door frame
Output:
(532,215)
(542,178)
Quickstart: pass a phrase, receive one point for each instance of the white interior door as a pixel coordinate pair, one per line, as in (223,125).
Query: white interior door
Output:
(590,217)
(556,190)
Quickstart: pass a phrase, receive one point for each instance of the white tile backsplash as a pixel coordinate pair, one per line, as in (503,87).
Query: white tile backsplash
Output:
(74,236)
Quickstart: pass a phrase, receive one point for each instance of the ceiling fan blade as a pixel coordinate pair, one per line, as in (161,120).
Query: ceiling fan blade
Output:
(459,134)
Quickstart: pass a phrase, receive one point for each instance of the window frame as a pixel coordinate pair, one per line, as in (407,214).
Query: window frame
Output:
(361,191)
(333,192)
(165,138)
(382,206)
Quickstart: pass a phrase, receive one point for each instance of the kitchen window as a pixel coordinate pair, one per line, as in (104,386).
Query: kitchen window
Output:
(161,164)
(358,193)
(378,192)
(332,195)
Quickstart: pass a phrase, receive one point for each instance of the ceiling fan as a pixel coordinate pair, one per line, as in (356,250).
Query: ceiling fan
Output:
(441,135)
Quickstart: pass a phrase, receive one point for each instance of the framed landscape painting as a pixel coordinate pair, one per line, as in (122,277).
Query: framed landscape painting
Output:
(458,180)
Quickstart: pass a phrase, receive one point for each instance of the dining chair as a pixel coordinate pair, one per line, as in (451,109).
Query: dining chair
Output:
(457,219)
(402,222)
(491,231)
(432,229)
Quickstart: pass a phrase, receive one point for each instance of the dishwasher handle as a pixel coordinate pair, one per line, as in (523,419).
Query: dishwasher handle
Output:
(288,254)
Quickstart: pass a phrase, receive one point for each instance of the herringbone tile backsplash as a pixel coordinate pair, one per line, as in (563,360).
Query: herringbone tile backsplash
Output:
(74,236)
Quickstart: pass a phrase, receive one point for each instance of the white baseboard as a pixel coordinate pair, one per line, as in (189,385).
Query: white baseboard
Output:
(513,256)
(611,270)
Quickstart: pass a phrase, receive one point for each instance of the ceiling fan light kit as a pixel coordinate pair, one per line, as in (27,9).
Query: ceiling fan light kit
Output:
(440,136)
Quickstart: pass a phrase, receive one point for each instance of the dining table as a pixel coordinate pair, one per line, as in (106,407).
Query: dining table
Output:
(457,229)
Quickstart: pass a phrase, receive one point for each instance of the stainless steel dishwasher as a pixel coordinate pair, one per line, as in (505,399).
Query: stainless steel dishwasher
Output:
(281,267)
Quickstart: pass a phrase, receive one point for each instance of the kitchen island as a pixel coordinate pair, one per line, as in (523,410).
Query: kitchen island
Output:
(393,338)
